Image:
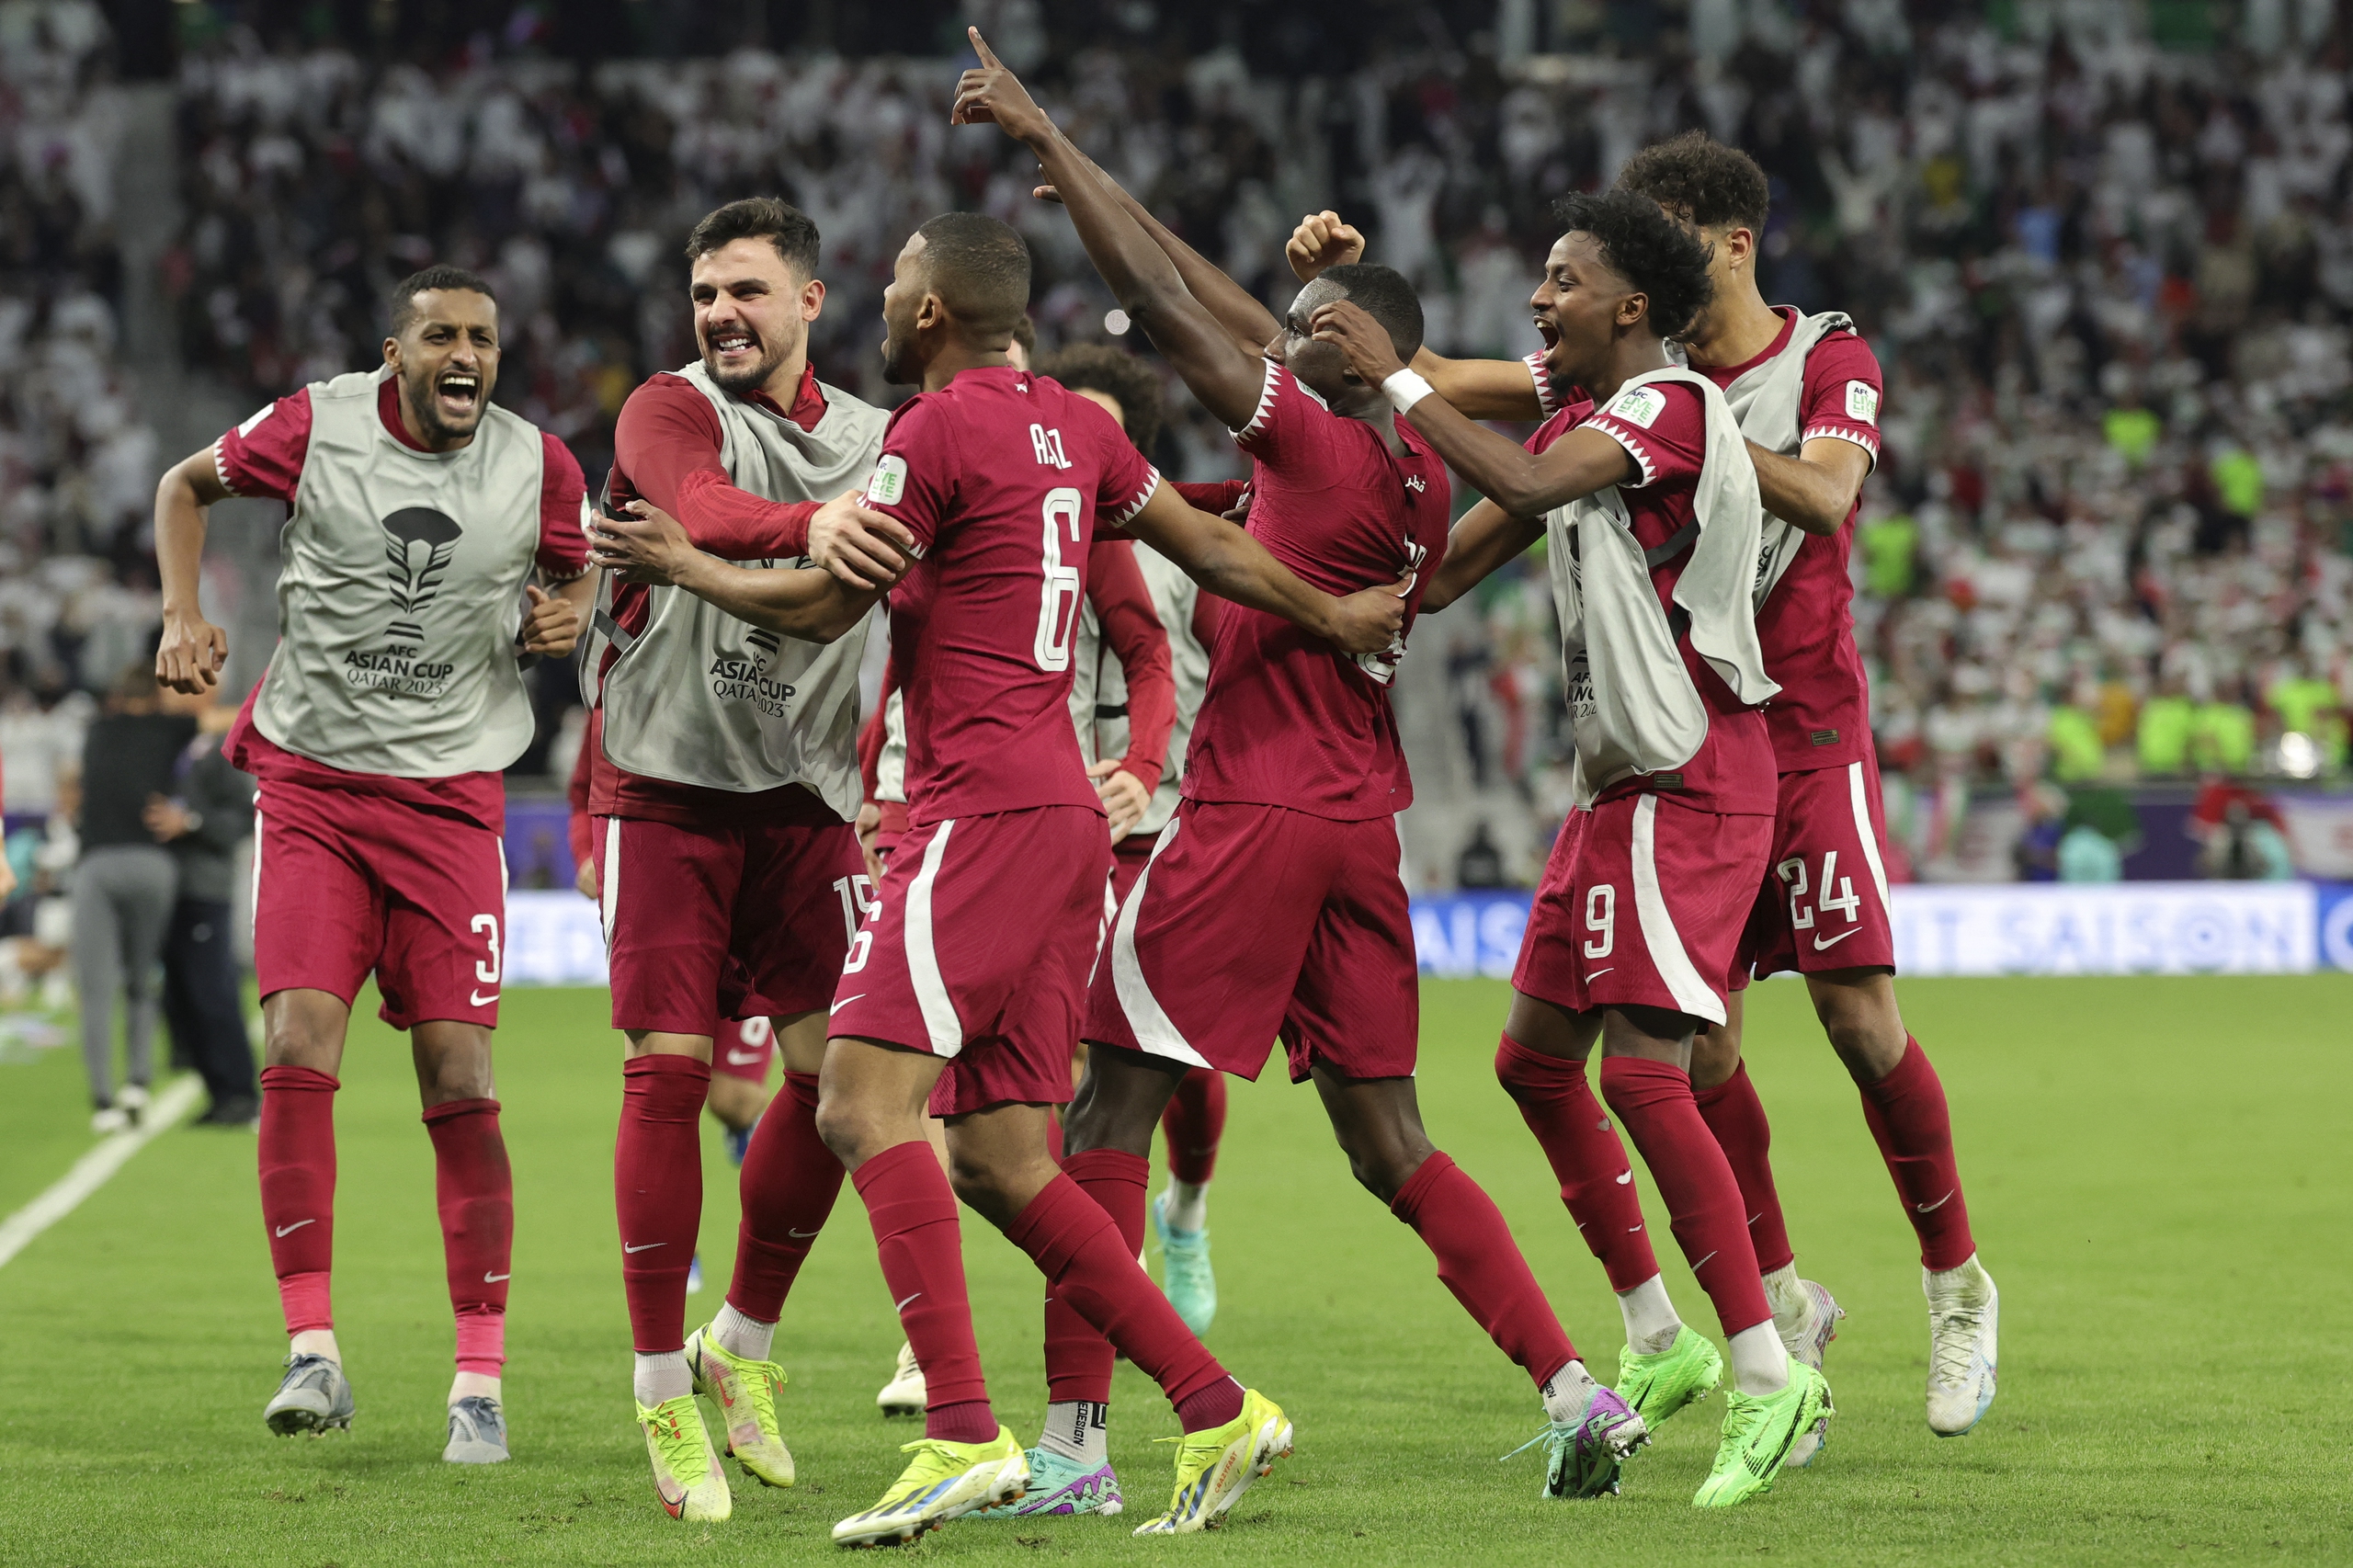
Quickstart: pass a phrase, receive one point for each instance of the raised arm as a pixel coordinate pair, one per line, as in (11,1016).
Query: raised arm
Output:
(1252,324)
(1525,484)
(1814,491)
(190,657)
(1486,537)
(1224,375)
(1482,389)
(1228,562)
(809,603)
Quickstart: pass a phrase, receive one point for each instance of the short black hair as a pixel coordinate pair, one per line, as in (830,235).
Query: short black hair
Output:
(980,269)
(768,217)
(1648,249)
(1098,367)
(405,293)
(1701,180)
(1382,293)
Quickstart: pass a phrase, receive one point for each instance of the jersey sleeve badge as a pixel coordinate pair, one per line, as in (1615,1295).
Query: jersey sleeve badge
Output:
(1862,403)
(1638,405)
(889,485)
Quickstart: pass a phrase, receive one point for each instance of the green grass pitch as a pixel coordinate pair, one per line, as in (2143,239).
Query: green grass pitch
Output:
(2158,1173)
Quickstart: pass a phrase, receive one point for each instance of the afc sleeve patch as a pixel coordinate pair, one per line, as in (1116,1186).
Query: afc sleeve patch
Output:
(1638,405)
(889,485)
(1862,403)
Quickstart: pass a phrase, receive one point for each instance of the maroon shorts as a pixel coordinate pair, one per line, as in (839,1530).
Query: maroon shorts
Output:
(977,950)
(753,920)
(346,882)
(1129,858)
(743,1048)
(1642,904)
(1824,902)
(1256,923)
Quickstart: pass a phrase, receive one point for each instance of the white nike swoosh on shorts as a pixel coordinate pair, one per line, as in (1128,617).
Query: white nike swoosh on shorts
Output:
(476,999)
(844,1003)
(745,1058)
(1597,973)
(1822,942)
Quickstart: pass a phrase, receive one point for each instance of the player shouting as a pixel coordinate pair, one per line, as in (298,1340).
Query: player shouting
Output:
(1272,904)
(1654,524)
(1806,391)
(726,863)
(970,970)
(421,512)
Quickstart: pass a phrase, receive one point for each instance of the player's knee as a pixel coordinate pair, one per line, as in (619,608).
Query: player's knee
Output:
(849,1129)
(1715,1056)
(1863,1025)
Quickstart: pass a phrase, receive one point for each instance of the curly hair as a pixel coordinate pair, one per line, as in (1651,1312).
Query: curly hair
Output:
(1648,249)
(1098,367)
(1701,180)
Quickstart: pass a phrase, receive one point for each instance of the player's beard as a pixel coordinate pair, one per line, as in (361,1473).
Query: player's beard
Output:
(741,381)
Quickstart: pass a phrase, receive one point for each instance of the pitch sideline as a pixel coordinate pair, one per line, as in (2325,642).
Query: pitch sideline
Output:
(95,1169)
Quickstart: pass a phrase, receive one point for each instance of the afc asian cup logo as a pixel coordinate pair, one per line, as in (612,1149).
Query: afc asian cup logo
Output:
(418,545)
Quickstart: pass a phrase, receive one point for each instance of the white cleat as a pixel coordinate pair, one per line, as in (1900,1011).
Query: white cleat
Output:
(1807,1320)
(905,1394)
(1964,1312)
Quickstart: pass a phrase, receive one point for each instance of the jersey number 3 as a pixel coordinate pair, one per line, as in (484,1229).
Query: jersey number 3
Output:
(1058,595)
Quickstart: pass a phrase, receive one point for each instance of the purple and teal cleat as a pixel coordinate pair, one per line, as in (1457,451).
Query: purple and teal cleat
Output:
(1582,1458)
(1059,1485)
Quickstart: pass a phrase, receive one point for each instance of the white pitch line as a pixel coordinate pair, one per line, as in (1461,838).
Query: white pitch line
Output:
(93,1170)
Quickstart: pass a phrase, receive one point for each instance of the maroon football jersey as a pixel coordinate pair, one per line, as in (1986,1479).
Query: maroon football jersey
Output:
(1666,432)
(1806,627)
(1287,720)
(1003,477)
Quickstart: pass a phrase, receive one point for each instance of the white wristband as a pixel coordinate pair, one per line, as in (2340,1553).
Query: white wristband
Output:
(1403,390)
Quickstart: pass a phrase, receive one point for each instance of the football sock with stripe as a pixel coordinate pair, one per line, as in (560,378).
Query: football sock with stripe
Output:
(1478,1260)
(1909,1119)
(789,1182)
(1090,1268)
(1737,1116)
(1653,1099)
(1596,1179)
(474,1188)
(657,1191)
(1078,1358)
(913,1215)
(298,1192)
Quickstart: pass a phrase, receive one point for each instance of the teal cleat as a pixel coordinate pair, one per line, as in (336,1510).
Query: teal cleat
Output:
(1655,1386)
(1189,1280)
(1059,1485)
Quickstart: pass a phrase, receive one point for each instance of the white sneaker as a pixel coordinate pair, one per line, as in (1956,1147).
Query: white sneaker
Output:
(133,1097)
(109,1119)
(1964,1311)
(905,1394)
(1807,1320)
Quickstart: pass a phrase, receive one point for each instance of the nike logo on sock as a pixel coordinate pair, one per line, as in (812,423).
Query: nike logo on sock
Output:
(1822,942)
(1918,1207)
(844,1003)
(802,1235)
(745,1058)
(1703,1262)
(495,1279)
(902,1306)
(645,1247)
(289,1229)
(1625,1176)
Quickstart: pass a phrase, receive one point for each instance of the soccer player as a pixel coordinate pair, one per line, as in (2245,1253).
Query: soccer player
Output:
(1655,526)
(1806,390)
(1272,904)
(420,514)
(727,867)
(1194,1124)
(968,975)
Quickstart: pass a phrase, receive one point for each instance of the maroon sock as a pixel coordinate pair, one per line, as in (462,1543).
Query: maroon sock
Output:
(1737,1116)
(297,1189)
(474,1189)
(913,1215)
(1653,1099)
(1089,1268)
(1482,1265)
(1908,1118)
(1596,1179)
(1078,1358)
(1194,1122)
(789,1182)
(657,1192)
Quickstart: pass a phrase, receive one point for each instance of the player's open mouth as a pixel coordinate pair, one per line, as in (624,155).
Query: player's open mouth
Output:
(1551,334)
(734,343)
(458,392)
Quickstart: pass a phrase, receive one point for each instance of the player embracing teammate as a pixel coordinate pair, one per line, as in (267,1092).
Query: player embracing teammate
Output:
(1805,390)
(420,515)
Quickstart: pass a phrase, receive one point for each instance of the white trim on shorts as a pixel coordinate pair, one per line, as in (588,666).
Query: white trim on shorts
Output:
(938,1008)
(1863,830)
(252,893)
(608,886)
(1156,1032)
(1692,994)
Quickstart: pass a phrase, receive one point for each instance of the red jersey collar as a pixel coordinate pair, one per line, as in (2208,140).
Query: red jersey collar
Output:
(1724,373)
(388,409)
(808,402)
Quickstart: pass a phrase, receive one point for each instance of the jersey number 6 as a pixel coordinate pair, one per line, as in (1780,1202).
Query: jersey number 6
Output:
(1058,597)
